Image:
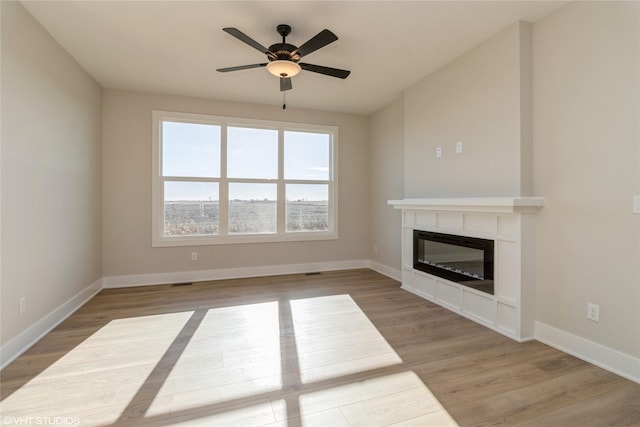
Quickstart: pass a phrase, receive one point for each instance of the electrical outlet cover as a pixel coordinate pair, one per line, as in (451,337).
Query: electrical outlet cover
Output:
(593,312)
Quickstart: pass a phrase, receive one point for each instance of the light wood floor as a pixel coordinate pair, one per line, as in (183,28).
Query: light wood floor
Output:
(345,348)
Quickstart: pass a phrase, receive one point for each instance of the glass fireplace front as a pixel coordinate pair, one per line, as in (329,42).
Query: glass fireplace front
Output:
(461,259)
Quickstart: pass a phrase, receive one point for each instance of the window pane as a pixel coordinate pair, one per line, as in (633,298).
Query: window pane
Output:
(190,208)
(307,207)
(306,155)
(190,149)
(252,153)
(252,208)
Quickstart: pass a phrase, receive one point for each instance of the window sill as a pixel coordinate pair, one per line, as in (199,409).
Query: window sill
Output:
(242,238)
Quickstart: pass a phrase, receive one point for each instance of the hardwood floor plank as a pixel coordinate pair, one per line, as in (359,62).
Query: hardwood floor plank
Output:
(257,414)
(439,418)
(590,411)
(394,407)
(357,392)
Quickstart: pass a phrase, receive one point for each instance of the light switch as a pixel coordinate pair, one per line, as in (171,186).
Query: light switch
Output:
(636,204)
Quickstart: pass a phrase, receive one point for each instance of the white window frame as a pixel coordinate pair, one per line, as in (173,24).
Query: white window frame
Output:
(223,237)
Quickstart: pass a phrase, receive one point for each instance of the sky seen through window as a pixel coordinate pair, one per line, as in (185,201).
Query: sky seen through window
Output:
(193,150)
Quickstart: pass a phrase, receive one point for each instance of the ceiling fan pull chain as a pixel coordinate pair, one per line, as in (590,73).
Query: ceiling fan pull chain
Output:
(284,104)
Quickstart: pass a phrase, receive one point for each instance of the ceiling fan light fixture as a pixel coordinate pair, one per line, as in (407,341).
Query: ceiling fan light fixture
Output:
(283,68)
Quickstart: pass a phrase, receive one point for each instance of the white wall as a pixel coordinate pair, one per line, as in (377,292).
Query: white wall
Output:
(586,79)
(51,201)
(127,190)
(386,183)
(481,99)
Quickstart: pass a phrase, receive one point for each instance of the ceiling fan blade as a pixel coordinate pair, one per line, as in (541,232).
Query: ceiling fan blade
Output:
(241,67)
(333,72)
(246,39)
(321,39)
(285,84)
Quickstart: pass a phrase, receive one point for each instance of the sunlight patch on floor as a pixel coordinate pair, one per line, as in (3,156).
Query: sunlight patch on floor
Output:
(234,353)
(106,370)
(397,399)
(335,338)
(259,414)
(266,364)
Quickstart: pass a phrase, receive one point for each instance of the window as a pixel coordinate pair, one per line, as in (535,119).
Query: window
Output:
(226,180)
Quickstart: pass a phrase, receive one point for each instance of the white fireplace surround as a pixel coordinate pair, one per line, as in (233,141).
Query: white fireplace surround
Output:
(510,223)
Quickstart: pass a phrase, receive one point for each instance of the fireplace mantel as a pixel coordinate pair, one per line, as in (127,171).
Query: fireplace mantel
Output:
(510,223)
(472,204)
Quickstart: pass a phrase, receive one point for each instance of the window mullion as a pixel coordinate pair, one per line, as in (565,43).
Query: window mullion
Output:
(223,205)
(307,181)
(281,204)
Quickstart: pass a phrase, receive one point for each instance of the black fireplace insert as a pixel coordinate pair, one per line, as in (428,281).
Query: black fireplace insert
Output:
(461,259)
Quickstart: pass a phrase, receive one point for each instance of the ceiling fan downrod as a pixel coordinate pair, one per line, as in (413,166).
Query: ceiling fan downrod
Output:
(284,30)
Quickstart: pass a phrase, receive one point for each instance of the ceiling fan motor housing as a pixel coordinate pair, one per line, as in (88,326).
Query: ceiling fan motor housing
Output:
(283,51)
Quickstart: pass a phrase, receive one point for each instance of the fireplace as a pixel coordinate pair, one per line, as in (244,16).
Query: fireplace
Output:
(507,303)
(461,259)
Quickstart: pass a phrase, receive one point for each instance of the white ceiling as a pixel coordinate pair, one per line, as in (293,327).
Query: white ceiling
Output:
(174,47)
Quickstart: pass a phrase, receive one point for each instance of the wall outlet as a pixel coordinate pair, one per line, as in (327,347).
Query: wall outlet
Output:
(375,249)
(194,256)
(593,312)
(459,147)
(23,305)
(438,151)
(636,205)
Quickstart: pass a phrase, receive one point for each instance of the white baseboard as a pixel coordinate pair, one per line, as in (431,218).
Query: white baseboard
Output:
(228,273)
(385,270)
(21,343)
(607,358)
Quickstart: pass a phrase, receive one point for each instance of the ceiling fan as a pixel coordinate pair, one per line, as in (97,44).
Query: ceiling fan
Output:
(284,58)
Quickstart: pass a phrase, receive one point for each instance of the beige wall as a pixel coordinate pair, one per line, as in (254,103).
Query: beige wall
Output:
(127,190)
(586,143)
(550,110)
(480,99)
(386,183)
(51,201)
